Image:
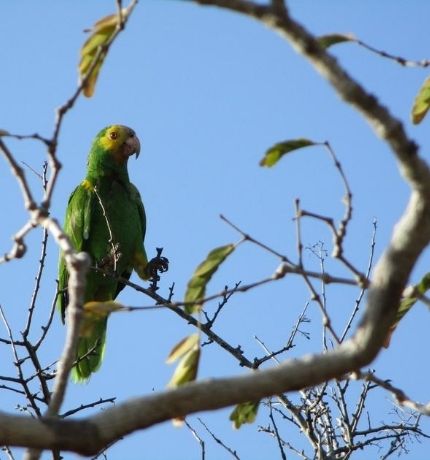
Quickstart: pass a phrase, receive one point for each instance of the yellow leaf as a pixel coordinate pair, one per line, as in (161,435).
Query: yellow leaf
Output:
(91,81)
(277,151)
(97,39)
(334,39)
(186,371)
(184,346)
(94,312)
(422,103)
(196,287)
(244,413)
(93,48)
(99,310)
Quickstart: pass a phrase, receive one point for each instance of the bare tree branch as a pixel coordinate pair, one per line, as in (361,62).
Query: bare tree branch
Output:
(232,452)
(198,438)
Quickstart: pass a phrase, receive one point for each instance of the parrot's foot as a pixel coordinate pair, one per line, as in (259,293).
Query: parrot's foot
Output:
(158,264)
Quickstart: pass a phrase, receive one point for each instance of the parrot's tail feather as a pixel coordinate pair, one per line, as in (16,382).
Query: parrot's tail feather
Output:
(90,353)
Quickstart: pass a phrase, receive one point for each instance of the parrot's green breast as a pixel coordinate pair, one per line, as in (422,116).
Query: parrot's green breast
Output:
(115,236)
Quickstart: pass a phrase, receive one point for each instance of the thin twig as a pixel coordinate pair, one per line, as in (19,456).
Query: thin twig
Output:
(271,432)
(363,289)
(34,136)
(210,321)
(33,170)
(87,406)
(276,433)
(38,279)
(114,248)
(19,247)
(237,352)
(19,174)
(320,255)
(399,395)
(304,423)
(356,415)
(290,342)
(41,267)
(18,362)
(343,225)
(36,363)
(314,295)
(218,440)
(248,237)
(400,60)
(47,325)
(8,452)
(197,438)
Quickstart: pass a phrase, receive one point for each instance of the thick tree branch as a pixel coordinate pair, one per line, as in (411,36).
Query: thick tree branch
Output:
(79,265)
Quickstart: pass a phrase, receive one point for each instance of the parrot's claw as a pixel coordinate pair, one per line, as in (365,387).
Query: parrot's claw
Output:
(158,264)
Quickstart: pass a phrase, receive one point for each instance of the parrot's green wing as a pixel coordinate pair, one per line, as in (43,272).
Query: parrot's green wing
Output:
(140,259)
(77,227)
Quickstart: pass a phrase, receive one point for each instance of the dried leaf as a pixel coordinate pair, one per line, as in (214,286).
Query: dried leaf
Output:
(184,346)
(275,153)
(325,41)
(178,422)
(244,413)
(422,103)
(186,371)
(3,132)
(196,288)
(101,33)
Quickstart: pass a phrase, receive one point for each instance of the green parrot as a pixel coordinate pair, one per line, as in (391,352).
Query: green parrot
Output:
(105,217)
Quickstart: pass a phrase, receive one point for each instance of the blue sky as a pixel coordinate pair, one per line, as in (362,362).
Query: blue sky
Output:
(207,92)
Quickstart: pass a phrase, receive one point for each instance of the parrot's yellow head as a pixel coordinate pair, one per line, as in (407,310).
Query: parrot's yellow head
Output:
(115,142)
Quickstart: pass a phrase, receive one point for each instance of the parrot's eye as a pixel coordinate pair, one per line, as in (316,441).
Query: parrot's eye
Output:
(113,135)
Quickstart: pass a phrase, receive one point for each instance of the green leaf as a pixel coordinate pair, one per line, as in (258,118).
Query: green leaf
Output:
(101,33)
(186,371)
(275,153)
(244,413)
(325,41)
(424,285)
(422,103)
(407,303)
(184,346)
(196,288)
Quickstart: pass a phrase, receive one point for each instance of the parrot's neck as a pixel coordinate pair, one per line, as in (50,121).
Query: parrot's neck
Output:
(107,169)
(108,177)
